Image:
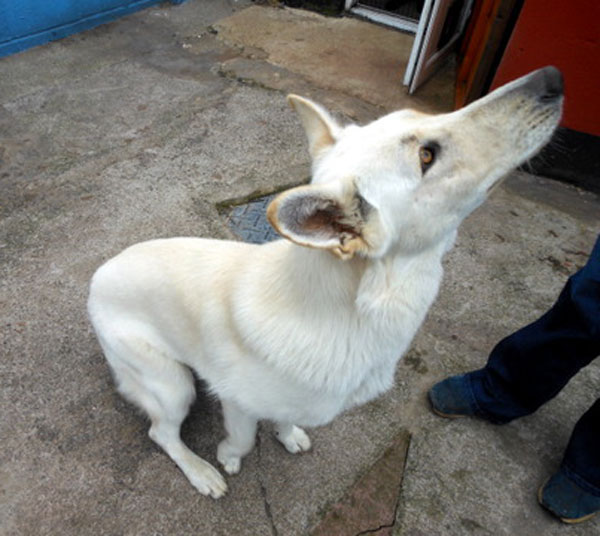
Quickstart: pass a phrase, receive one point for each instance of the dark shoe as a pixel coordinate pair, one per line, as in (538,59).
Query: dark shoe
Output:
(452,398)
(566,500)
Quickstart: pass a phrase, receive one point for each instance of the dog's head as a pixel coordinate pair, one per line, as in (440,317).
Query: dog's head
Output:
(407,180)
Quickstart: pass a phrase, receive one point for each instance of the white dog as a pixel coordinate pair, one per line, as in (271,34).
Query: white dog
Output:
(298,330)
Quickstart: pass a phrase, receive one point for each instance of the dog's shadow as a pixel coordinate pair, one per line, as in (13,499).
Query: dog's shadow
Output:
(202,429)
(129,446)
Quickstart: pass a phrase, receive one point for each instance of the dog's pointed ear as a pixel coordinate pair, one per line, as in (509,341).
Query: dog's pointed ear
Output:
(316,217)
(321,130)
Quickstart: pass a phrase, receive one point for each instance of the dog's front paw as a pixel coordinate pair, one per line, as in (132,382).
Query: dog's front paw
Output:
(293,438)
(205,478)
(229,458)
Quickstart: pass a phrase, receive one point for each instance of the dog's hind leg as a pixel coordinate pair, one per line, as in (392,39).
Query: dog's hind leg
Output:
(164,389)
(241,434)
(292,437)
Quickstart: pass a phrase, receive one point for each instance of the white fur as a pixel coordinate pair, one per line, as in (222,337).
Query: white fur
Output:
(295,334)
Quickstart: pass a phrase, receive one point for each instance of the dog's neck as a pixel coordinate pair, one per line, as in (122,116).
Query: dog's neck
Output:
(368,284)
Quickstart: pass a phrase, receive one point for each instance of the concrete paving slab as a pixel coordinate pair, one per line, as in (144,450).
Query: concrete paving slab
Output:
(344,54)
(370,506)
(512,257)
(132,131)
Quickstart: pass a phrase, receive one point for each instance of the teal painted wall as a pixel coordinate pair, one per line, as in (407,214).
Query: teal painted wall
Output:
(27,23)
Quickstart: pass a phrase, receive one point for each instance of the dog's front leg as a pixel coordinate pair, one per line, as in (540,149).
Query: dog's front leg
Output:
(293,438)
(241,434)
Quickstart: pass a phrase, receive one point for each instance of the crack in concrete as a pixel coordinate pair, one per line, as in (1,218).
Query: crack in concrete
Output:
(375,531)
(263,488)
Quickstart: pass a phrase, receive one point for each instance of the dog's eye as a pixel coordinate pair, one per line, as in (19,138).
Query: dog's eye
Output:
(427,156)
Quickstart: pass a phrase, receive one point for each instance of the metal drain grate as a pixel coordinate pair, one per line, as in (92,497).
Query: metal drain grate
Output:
(248,222)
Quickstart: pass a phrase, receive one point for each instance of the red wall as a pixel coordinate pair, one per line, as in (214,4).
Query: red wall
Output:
(564,33)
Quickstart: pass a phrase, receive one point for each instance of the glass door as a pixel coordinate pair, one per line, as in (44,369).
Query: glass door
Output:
(440,26)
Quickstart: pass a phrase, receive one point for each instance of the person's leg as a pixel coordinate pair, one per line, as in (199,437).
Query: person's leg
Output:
(573,493)
(581,461)
(533,364)
(530,367)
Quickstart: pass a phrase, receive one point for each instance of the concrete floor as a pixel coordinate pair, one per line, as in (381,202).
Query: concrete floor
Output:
(137,130)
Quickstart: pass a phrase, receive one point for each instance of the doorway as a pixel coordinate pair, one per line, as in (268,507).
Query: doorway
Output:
(437,25)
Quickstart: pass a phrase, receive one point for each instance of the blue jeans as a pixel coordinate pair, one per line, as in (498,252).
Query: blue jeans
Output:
(529,367)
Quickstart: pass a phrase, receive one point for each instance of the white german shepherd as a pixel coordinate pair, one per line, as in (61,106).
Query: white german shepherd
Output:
(298,330)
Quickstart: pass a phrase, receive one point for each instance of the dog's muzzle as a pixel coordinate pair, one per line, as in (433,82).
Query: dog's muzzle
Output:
(546,83)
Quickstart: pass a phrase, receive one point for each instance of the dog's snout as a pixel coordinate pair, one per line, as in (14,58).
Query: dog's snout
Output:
(547,83)
(554,84)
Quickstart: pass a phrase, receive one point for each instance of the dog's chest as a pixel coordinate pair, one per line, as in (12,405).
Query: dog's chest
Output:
(323,341)
(339,349)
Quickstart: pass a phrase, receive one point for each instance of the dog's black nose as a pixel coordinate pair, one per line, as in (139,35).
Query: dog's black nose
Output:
(554,83)
(548,84)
